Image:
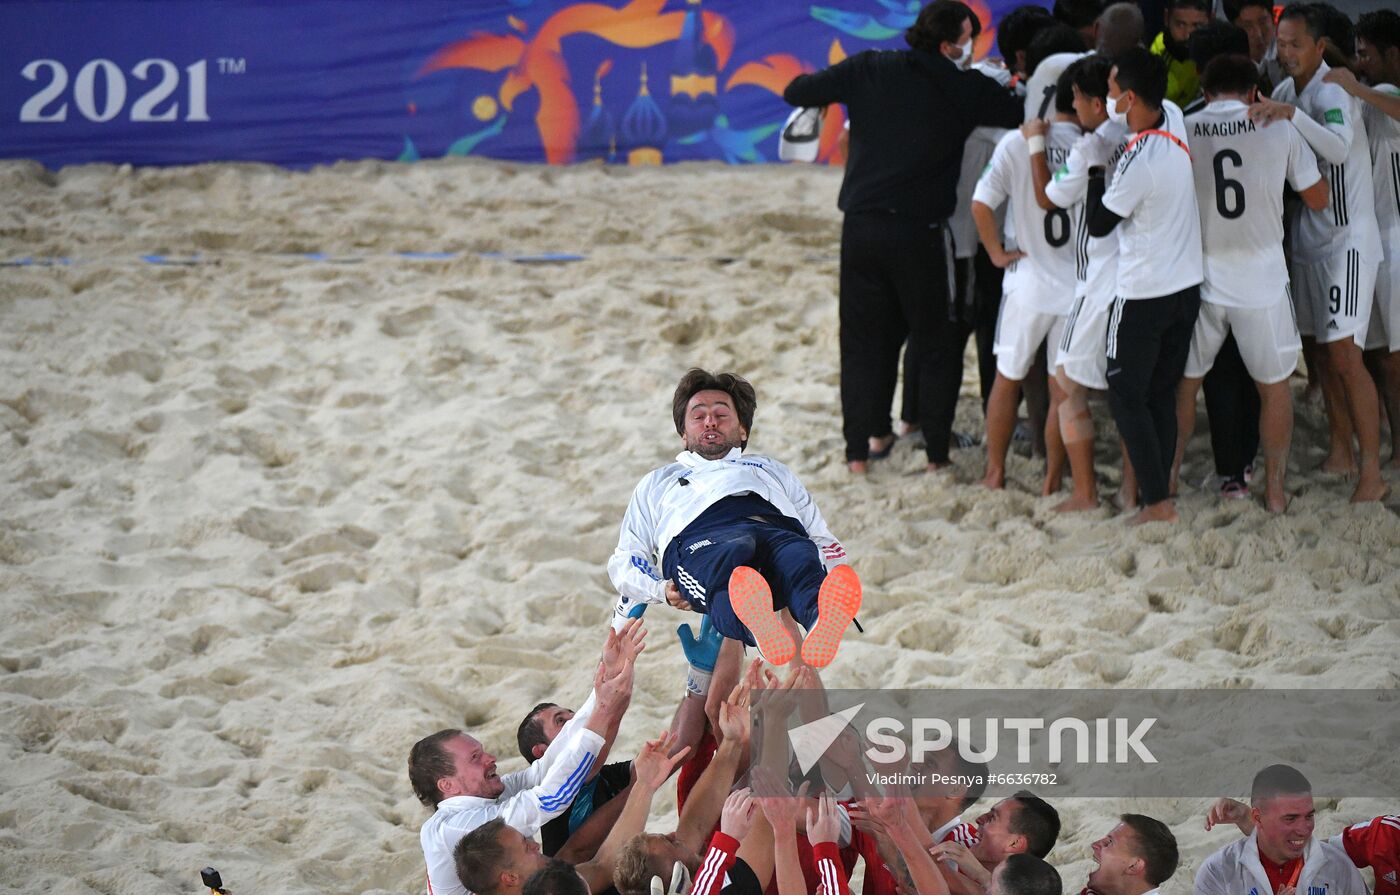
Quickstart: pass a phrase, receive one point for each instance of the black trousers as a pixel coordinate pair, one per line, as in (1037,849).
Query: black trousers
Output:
(964,296)
(895,285)
(1148,342)
(1232,405)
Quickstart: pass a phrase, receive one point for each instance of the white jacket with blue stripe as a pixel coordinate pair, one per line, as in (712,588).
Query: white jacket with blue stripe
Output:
(662,507)
(532,797)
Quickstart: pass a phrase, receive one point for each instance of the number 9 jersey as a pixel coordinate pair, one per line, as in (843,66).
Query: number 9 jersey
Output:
(1239,169)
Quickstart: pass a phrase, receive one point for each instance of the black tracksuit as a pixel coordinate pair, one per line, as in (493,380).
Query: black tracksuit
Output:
(911,111)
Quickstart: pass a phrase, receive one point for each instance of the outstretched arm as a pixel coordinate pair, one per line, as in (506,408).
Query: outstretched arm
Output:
(652,766)
(1389,103)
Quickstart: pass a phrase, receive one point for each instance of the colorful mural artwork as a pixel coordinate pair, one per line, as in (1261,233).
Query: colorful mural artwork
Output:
(694,104)
(303,82)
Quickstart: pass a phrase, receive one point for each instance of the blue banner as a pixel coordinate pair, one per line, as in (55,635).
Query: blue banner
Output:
(307,82)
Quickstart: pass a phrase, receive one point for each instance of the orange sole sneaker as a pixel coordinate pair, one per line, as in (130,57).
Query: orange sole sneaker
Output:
(752,601)
(837,603)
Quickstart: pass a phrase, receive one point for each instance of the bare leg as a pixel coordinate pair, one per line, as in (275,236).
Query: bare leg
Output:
(1275,434)
(1054,443)
(1128,490)
(1340,459)
(1185,424)
(1001,422)
(1389,364)
(1344,365)
(1077,433)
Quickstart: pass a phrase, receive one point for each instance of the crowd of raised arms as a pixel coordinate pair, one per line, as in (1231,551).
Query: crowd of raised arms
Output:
(744,828)
(1139,220)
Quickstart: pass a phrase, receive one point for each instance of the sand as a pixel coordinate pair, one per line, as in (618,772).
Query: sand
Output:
(265,520)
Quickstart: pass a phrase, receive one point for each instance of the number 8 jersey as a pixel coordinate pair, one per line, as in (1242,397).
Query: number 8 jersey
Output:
(1240,168)
(1044,279)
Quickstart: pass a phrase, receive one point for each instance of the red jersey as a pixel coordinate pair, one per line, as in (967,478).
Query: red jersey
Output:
(1375,843)
(1281,875)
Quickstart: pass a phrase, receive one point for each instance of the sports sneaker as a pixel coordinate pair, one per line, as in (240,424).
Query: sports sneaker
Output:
(838,601)
(752,602)
(801,136)
(1234,489)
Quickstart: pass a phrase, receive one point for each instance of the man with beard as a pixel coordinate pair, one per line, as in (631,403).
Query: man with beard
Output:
(737,535)
(1281,856)
(1135,858)
(1182,19)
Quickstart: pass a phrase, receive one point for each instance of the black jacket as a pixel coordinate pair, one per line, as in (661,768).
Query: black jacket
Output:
(910,112)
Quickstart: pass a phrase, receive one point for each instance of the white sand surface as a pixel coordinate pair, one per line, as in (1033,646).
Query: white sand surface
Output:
(266,520)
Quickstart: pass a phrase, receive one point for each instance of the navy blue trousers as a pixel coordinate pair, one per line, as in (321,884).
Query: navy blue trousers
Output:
(700,559)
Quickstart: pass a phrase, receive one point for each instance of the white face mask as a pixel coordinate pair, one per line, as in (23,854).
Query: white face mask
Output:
(1116,116)
(965,60)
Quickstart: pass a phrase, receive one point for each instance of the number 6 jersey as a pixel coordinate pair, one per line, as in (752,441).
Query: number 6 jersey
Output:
(1240,168)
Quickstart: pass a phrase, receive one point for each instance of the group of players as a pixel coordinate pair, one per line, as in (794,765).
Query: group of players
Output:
(1144,239)
(744,829)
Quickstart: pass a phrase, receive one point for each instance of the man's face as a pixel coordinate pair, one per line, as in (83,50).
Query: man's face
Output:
(1298,54)
(995,839)
(1115,858)
(933,796)
(1090,109)
(474,769)
(664,851)
(1377,65)
(1181,23)
(1115,93)
(953,52)
(712,426)
(522,854)
(1258,23)
(553,719)
(1285,825)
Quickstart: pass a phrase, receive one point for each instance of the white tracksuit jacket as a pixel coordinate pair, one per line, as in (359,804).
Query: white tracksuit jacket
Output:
(532,798)
(661,508)
(1236,870)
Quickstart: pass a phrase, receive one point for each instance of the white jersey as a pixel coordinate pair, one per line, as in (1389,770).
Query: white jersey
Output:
(1236,870)
(1040,89)
(670,498)
(1095,258)
(1044,279)
(532,798)
(1240,170)
(1331,123)
(1159,239)
(1384,135)
(977,152)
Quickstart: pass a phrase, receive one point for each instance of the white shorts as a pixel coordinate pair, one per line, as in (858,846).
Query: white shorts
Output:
(1384,331)
(1268,340)
(1333,298)
(1084,344)
(1020,331)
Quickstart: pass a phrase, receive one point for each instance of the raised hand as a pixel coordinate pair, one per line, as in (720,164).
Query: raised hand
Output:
(961,855)
(823,822)
(734,715)
(623,646)
(737,817)
(653,765)
(776,800)
(1227,811)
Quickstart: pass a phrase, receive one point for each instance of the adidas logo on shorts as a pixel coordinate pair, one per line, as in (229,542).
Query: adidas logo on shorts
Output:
(1332,324)
(1389,877)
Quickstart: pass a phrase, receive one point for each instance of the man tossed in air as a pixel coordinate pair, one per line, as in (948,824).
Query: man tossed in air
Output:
(737,536)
